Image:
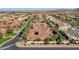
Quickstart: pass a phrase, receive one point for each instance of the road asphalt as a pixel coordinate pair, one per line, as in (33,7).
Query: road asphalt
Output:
(14,47)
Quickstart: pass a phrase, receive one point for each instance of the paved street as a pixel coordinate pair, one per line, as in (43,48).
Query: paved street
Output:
(14,47)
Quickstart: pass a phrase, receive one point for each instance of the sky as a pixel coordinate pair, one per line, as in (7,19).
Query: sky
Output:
(27,9)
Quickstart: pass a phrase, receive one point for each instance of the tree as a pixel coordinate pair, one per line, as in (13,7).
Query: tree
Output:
(46,41)
(24,38)
(56,25)
(1,35)
(55,37)
(9,30)
(73,23)
(50,38)
(58,37)
(72,41)
(38,39)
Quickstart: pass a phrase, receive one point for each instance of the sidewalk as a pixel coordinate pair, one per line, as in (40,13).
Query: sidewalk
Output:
(22,45)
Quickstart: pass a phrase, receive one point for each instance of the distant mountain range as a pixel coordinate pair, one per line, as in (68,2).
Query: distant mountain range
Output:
(77,10)
(33,9)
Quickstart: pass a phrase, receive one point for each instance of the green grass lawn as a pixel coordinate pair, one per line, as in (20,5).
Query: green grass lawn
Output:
(7,37)
(4,39)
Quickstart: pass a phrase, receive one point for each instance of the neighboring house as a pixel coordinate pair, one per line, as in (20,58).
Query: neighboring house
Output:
(64,26)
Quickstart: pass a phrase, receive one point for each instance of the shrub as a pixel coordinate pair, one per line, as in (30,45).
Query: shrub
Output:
(9,30)
(24,38)
(46,41)
(38,39)
(1,35)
